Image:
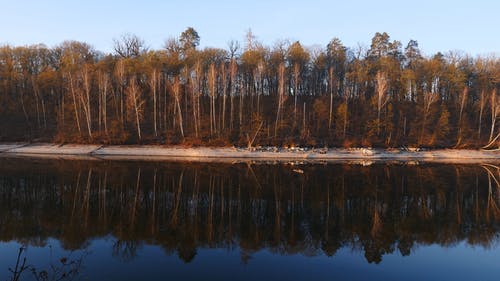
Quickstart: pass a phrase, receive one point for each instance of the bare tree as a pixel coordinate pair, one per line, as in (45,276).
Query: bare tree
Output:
(429,99)
(382,96)
(135,103)
(85,98)
(331,86)
(103,81)
(482,104)
(120,91)
(463,100)
(196,78)
(212,91)
(153,84)
(224,84)
(72,89)
(233,72)
(177,92)
(129,46)
(234,47)
(495,113)
(296,77)
(281,95)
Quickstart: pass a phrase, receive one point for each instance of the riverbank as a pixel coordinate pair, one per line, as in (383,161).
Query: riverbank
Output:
(151,152)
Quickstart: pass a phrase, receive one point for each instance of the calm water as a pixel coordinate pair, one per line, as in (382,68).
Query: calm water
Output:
(98,220)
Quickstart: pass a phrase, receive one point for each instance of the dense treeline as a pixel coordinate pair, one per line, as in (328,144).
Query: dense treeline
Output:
(384,95)
(182,207)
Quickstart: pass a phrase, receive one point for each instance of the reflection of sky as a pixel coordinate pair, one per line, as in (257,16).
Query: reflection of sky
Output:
(460,262)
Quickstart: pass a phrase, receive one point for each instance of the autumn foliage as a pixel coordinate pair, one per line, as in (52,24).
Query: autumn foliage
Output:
(384,95)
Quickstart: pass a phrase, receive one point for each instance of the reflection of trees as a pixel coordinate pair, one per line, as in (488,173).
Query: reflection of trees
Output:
(125,250)
(182,207)
(64,268)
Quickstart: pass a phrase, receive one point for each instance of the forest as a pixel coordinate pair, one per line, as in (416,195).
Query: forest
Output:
(249,94)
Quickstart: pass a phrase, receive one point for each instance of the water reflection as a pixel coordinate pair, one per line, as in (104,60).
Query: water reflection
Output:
(64,268)
(184,207)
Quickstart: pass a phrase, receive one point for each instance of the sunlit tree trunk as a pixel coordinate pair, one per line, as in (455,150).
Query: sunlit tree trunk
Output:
(429,100)
(382,97)
(103,98)
(176,92)
(135,103)
(85,99)
(224,81)
(121,79)
(463,100)
(212,77)
(281,96)
(75,106)
(330,84)
(233,76)
(482,103)
(153,81)
(495,110)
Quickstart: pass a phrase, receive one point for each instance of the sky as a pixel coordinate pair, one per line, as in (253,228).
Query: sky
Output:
(438,25)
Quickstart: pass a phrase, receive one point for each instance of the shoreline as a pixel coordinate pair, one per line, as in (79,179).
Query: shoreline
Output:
(233,154)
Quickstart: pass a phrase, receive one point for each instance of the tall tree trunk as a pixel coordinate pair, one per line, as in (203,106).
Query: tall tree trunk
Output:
(494,112)
(330,83)
(178,104)
(382,98)
(463,100)
(482,102)
(85,99)
(72,89)
(135,104)
(281,95)
(153,84)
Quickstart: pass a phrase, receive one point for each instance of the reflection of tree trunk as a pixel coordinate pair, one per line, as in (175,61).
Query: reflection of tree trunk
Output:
(277,212)
(86,199)
(195,198)
(327,219)
(103,198)
(292,213)
(76,194)
(210,210)
(476,201)
(222,205)
(136,198)
(153,207)
(376,223)
(377,220)
(177,204)
(458,193)
(491,206)
(238,212)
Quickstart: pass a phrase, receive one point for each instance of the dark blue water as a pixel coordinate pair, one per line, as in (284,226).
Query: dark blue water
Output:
(78,220)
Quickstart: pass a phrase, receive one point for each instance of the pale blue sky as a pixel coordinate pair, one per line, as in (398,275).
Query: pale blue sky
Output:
(470,26)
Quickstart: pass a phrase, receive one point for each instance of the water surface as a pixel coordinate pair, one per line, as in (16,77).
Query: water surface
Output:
(105,220)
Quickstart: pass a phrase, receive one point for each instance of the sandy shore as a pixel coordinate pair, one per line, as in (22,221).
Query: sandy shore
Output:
(150,152)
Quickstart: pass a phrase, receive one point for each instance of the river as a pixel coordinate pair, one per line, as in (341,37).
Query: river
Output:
(137,220)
